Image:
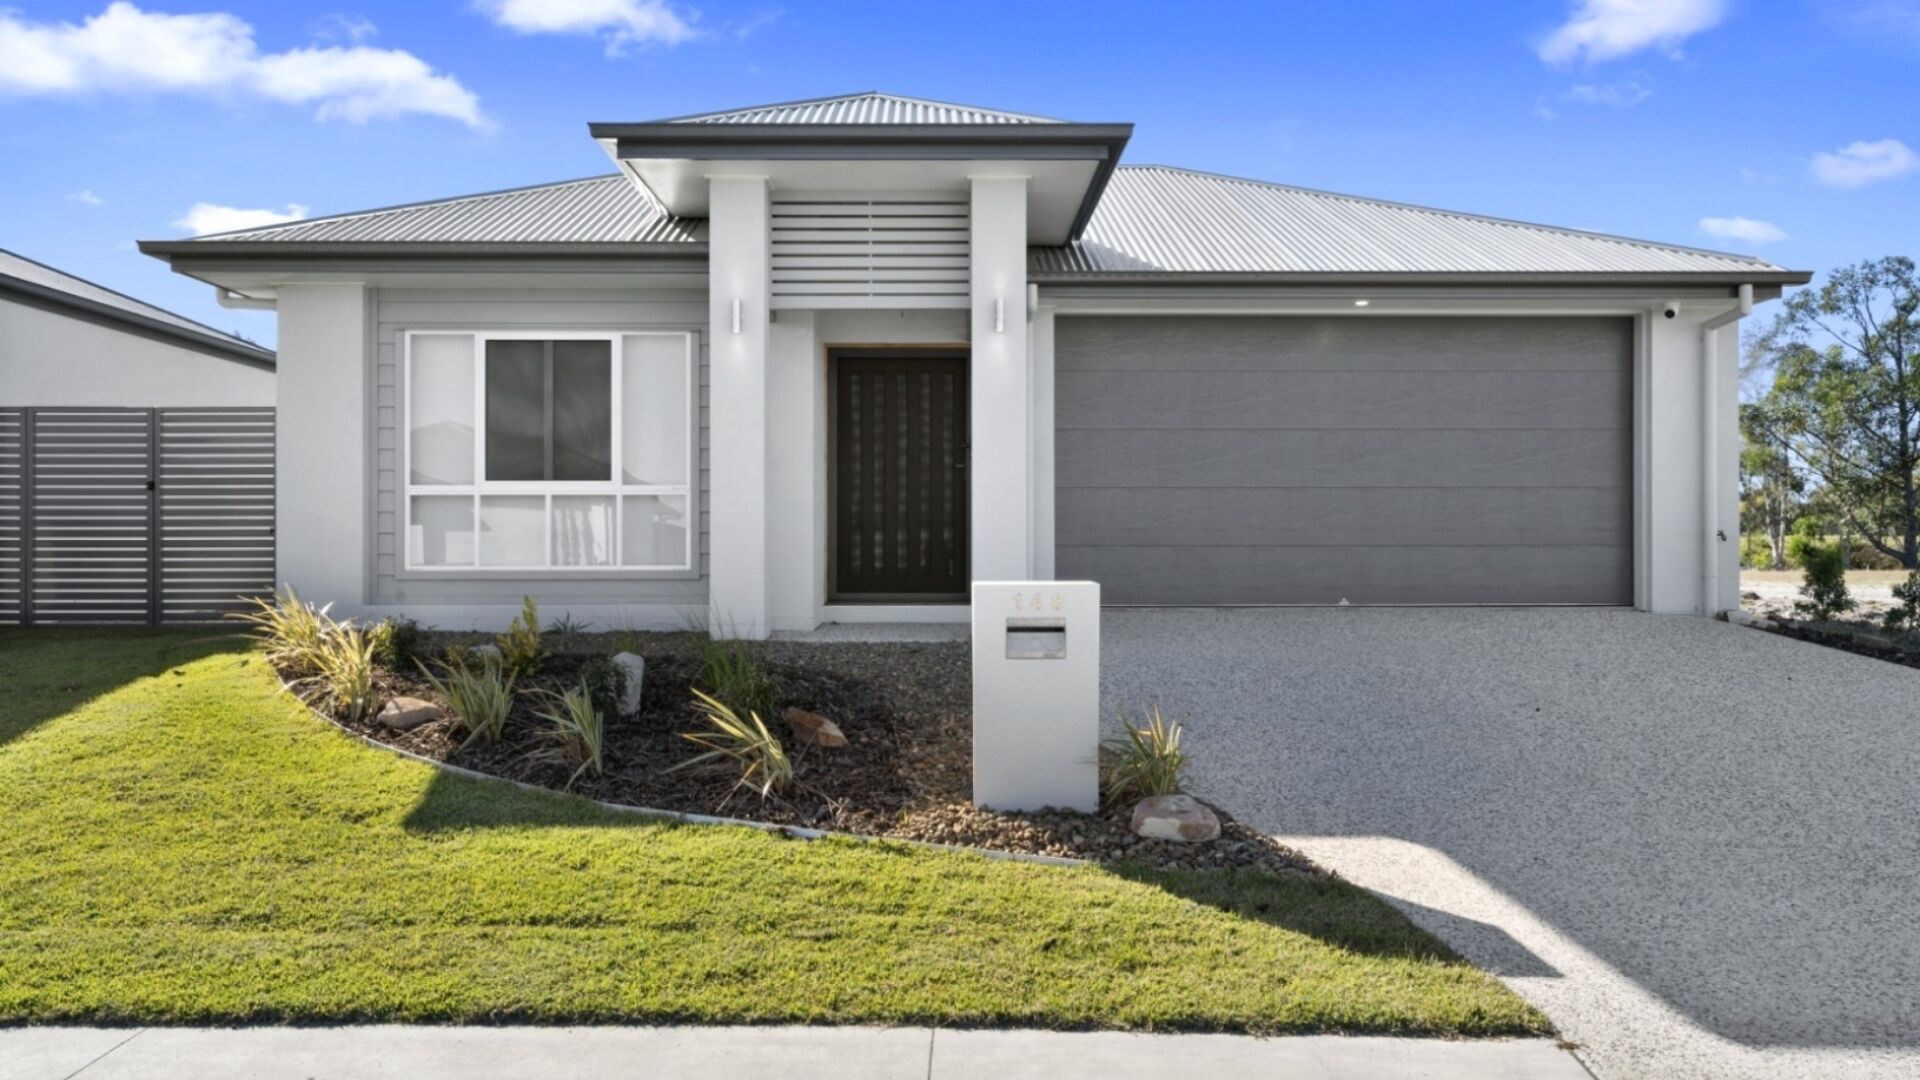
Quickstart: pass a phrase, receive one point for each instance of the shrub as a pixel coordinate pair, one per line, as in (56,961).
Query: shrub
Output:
(763,762)
(1756,552)
(345,668)
(481,697)
(292,631)
(1148,761)
(1905,614)
(576,733)
(521,653)
(1864,556)
(566,625)
(1824,586)
(397,643)
(606,684)
(1805,534)
(731,672)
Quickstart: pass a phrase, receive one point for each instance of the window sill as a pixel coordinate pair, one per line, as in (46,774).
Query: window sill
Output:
(474,573)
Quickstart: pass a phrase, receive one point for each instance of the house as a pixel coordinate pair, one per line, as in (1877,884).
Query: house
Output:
(830,360)
(135,448)
(65,341)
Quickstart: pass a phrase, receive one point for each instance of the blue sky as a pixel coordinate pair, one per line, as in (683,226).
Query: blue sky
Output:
(1784,128)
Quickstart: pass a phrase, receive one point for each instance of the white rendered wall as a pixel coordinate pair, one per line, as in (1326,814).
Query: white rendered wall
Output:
(1672,528)
(1002,461)
(48,358)
(323,482)
(739,272)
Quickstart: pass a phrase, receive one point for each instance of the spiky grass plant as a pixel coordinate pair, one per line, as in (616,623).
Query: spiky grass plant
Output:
(745,741)
(291,631)
(480,695)
(344,667)
(731,672)
(1147,761)
(576,733)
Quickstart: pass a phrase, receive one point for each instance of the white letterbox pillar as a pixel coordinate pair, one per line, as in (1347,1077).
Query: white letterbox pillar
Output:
(1036,695)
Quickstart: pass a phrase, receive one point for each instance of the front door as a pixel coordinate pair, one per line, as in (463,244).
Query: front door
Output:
(899,475)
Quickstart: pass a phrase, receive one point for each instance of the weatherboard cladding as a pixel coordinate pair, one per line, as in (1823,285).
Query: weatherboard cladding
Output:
(1151,220)
(868,108)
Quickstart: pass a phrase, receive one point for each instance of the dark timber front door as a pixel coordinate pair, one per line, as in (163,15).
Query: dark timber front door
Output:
(899,475)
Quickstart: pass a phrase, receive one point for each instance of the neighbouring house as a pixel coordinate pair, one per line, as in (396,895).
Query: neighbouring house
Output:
(122,424)
(832,360)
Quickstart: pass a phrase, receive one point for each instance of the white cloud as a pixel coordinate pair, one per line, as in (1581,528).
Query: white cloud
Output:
(1744,229)
(623,23)
(1860,163)
(125,49)
(1542,110)
(1618,95)
(203,218)
(1607,29)
(338,27)
(85,197)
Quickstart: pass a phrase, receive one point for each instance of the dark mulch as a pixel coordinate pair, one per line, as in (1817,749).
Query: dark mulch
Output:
(1905,652)
(906,772)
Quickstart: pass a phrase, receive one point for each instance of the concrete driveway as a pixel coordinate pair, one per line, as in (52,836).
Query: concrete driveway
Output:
(1695,846)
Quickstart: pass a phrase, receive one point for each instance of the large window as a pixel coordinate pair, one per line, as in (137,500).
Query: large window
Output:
(549,451)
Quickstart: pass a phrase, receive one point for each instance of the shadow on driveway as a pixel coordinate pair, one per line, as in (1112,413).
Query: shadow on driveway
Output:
(1723,817)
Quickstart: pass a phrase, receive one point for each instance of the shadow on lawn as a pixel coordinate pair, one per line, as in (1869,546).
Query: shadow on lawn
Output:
(460,802)
(1332,911)
(49,672)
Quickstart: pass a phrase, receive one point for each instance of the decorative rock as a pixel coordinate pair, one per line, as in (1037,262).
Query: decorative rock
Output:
(1175,817)
(812,729)
(636,670)
(407,713)
(486,654)
(1749,595)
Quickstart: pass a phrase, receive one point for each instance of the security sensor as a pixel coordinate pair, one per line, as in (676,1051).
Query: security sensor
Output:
(1670,309)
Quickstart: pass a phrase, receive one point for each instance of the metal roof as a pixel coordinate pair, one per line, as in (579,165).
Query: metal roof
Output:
(870,107)
(599,209)
(1151,220)
(1159,220)
(23,277)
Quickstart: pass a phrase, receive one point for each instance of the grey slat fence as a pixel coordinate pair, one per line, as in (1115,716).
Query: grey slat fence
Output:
(142,516)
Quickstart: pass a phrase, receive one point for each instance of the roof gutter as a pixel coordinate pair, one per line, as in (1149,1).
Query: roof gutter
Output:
(1711,534)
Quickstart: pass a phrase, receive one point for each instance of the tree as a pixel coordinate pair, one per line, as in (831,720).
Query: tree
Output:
(1846,397)
(1770,486)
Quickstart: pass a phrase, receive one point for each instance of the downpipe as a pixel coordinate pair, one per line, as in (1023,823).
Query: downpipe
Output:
(1711,535)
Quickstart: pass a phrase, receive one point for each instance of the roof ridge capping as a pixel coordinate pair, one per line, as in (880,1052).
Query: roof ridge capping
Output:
(838,108)
(1512,223)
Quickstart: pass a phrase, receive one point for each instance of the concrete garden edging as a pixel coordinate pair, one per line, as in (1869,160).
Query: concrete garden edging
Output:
(793,832)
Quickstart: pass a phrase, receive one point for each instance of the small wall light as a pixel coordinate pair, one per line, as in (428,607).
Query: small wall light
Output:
(736,314)
(999,314)
(1361,303)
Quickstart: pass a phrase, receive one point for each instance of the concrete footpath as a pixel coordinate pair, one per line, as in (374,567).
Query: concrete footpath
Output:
(791,1053)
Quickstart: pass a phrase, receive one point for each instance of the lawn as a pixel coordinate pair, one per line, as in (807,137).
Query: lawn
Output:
(185,844)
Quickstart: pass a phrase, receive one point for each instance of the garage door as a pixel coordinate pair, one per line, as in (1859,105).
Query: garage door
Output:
(1372,460)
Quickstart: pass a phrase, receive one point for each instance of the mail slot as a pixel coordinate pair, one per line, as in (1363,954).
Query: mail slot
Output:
(1036,725)
(1036,639)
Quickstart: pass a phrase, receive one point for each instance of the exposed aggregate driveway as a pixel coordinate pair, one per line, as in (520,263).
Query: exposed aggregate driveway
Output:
(1695,846)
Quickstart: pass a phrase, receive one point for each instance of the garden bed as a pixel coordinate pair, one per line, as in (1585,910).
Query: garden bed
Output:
(906,771)
(1848,635)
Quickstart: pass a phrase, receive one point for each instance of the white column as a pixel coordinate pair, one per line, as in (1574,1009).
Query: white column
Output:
(1001,394)
(322,482)
(796,501)
(738,288)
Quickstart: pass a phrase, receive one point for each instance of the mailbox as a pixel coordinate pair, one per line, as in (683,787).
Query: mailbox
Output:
(1036,695)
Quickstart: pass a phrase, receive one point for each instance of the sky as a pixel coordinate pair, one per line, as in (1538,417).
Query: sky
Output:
(1783,128)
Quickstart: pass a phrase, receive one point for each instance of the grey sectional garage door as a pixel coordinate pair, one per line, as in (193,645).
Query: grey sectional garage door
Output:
(1377,460)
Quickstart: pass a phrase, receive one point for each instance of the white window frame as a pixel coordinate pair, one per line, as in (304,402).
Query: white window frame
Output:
(549,490)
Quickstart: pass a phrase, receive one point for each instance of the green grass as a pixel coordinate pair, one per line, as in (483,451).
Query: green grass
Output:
(183,843)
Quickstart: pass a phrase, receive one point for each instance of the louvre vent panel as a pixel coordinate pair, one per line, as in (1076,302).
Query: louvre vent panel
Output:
(841,252)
